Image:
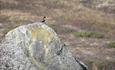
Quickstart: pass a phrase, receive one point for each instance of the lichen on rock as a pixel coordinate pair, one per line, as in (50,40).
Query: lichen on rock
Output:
(35,47)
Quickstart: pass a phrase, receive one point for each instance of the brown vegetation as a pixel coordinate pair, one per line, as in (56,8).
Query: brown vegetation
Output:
(67,17)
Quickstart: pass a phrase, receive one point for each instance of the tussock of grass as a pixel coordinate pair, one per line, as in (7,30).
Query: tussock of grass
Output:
(111,44)
(89,34)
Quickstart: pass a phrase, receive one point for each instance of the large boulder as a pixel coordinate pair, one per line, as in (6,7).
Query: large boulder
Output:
(36,47)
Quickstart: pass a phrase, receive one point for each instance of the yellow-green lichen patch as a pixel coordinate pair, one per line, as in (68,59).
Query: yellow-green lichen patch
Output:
(42,34)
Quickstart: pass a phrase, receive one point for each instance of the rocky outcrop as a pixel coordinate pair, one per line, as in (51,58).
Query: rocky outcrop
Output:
(36,47)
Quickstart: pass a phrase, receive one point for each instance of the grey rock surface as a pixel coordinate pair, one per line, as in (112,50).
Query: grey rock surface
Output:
(36,47)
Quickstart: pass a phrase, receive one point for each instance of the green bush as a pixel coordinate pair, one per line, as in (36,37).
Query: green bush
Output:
(112,44)
(89,34)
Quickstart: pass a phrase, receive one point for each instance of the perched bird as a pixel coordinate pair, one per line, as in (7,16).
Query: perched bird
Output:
(43,20)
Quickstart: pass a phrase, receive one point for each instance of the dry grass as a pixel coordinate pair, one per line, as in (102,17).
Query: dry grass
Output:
(17,16)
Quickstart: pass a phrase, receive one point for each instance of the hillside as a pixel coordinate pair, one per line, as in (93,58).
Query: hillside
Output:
(88,26)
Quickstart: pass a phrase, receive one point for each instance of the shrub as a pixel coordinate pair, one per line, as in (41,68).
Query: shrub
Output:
(89,34)
(111,44)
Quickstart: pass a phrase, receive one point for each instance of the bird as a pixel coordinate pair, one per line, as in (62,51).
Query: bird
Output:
(43,20)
